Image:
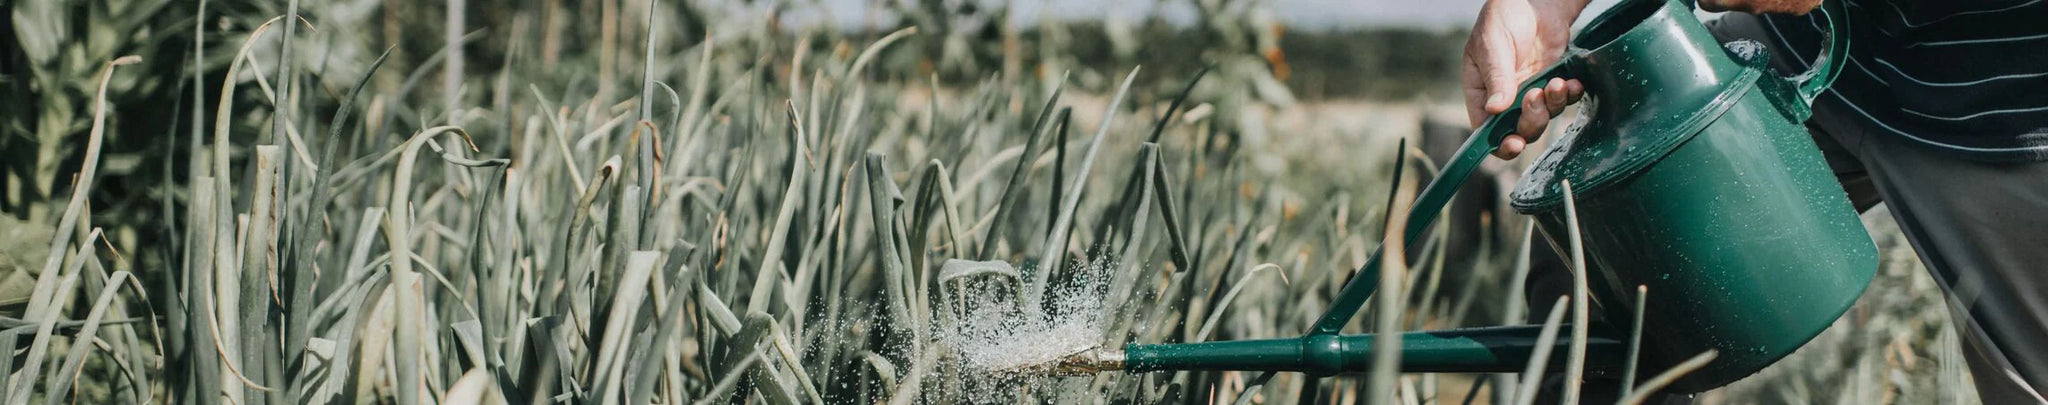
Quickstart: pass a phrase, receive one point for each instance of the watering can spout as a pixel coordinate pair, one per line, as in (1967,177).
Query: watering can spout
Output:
(1471,350)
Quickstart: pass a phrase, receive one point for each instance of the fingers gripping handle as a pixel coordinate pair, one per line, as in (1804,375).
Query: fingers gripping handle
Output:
(1496,128)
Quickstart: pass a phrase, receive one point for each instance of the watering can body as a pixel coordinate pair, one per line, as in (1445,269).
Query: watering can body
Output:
(1691,174)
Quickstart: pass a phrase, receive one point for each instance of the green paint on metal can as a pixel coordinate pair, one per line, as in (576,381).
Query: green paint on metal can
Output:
(1694,176)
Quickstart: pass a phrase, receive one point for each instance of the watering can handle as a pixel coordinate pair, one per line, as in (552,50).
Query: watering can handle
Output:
(1498,126)
(1434,196)
(1828,65)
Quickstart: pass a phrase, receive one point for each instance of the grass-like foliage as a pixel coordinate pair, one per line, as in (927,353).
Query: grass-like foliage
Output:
(623,201)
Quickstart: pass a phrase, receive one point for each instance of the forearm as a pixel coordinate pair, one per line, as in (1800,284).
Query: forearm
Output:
(1795,7)
(1574,6)
(1563,10)
(1554,15)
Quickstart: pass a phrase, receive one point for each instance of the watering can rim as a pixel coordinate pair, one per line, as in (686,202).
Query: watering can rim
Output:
(1540,192)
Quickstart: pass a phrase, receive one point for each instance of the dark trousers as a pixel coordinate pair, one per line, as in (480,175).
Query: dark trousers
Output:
(1980,228)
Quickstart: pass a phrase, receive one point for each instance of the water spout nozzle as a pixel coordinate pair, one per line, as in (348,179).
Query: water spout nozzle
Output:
(1088,362)
(1471,350)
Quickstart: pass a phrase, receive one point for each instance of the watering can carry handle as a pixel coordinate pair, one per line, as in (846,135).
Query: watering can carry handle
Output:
(1434,196)
(1829,64)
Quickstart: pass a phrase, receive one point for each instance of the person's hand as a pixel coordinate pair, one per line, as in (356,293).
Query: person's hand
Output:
(1513,40)
(1795,7)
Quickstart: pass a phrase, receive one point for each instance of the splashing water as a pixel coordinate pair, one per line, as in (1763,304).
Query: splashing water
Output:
(1031,344)
(1003,337)
(999,341)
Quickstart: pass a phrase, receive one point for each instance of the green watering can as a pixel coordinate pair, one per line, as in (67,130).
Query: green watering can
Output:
(1692,175)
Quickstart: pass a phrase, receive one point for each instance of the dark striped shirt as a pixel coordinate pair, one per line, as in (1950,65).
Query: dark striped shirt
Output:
(1969,76)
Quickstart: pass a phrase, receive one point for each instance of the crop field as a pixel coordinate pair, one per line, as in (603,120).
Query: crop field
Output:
(633,202)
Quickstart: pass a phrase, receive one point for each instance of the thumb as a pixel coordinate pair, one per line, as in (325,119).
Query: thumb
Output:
(1499,64)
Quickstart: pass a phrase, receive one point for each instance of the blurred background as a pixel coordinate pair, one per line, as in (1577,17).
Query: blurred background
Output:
(1284,115)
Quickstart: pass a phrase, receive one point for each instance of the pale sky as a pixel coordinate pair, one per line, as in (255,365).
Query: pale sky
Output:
(1308,14)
